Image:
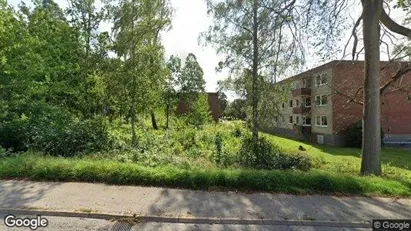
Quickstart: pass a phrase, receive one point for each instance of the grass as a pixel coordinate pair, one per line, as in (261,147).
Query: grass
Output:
(35,167)
(171,163)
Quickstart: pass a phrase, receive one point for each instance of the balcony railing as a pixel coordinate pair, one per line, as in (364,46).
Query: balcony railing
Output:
(301,91)
(301,110)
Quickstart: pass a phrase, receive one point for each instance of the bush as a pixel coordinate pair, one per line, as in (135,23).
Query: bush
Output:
(269,156)
(65,136)
(199,113)
(13,134)
(354,135)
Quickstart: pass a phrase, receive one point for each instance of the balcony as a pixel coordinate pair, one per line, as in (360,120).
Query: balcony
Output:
(301,91)
(301,110)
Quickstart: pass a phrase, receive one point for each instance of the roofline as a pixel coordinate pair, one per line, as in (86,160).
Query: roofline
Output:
(335,63)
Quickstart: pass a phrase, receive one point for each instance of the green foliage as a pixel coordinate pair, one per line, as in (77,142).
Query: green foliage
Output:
(34,167)
(269,156)
(199,112)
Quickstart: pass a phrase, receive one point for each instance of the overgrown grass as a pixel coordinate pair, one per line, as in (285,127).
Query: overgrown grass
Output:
(35,167)
(183,158)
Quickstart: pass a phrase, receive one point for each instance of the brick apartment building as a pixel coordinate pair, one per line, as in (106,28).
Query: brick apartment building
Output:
(320,106)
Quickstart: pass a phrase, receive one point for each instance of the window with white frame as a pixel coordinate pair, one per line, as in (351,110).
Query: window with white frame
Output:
(321,121)
(291,103)
(306,120)
(307,102)
(321,100)
(304,83)
(283,105)
(275,119)
(321,80)
(291,120)
(297,119)
(297,85)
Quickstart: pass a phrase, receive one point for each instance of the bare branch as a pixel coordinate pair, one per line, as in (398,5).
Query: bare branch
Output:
(404,70)
(393,26)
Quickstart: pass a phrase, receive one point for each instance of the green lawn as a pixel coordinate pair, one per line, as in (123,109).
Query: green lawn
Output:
(396,161)
(171,163)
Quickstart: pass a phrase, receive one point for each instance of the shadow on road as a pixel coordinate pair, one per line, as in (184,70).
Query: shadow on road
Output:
(17,194)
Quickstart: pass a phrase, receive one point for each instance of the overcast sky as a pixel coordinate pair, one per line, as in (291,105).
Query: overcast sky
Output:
(189,20)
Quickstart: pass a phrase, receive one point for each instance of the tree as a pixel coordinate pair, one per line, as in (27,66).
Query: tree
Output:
(137,25)
(86,19)
(236,109)
(170,94)
(199,111)
(372,15)
(190,83)
(252,36)
(222,102)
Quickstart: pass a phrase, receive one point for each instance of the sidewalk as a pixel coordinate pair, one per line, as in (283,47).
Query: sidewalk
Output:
(176,203)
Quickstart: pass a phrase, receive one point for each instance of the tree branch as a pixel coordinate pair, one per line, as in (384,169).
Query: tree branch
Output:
(398,75)
(393,26)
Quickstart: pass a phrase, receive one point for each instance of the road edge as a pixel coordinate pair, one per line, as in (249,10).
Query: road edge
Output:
(185,220)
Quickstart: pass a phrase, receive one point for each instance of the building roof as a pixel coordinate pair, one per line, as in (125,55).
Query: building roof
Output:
(334,63)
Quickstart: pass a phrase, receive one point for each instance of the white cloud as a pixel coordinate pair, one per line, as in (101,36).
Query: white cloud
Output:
(190,19)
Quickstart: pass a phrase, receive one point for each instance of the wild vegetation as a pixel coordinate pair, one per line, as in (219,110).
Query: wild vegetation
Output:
(81,104)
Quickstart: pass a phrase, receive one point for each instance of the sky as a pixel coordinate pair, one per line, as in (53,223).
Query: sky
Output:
(190,19)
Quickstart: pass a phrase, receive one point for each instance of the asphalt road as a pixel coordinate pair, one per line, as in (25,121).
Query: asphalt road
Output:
(83,224)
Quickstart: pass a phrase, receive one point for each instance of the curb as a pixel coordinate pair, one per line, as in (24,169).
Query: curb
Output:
(186,220)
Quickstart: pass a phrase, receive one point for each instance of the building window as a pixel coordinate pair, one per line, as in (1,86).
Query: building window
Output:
(283,105)
(297,120)
(297,103)
(306,120)
(321,121)
(321,80)
(275,119)
(291,103)
(306,83)
(297,85)
(291,119)
(321,100)
(307,102)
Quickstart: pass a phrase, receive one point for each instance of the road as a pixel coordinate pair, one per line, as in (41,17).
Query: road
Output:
(83,224)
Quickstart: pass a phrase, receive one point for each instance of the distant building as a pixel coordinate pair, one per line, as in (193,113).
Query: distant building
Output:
(182,107)
(319,110)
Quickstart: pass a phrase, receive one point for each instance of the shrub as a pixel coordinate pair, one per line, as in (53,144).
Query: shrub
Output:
(65,136)
(199,113)
(269,156)
(354,135)
(13,134)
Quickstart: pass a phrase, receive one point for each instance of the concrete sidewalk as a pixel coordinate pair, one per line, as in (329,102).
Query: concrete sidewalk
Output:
(176,203)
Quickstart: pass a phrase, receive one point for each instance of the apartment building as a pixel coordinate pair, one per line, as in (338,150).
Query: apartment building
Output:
(324,101)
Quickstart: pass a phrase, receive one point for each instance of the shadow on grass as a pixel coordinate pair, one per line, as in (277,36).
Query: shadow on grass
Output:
(396,157)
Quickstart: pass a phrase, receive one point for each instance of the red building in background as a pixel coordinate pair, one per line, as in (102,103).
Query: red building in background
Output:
(212,102)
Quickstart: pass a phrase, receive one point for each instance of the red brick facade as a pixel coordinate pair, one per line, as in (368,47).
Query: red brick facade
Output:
(395,108)
(182,107)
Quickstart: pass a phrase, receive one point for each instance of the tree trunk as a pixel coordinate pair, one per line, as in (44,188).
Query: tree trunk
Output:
(371,145)
(133,126)
(154,121)
(254,100)
(167,114)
